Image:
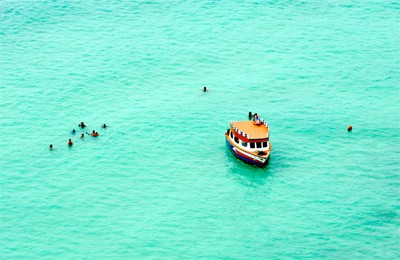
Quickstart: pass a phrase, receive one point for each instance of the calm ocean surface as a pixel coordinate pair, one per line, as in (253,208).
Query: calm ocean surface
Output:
(160,182)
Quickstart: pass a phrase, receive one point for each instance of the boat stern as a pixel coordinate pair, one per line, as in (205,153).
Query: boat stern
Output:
(247,157)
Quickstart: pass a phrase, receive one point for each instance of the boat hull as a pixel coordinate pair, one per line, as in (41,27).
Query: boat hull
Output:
(245,156)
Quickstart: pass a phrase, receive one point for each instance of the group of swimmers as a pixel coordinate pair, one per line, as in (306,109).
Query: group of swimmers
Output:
(95,134)
(82,125)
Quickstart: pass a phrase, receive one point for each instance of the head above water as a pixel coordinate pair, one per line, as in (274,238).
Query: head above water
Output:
(51,146)
(93,131)
(205,89)
(73,130)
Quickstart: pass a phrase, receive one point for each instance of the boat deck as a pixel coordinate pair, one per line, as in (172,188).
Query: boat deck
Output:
(254,131)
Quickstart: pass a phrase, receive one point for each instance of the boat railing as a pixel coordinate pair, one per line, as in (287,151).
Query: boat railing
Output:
(239,131)
(264,122)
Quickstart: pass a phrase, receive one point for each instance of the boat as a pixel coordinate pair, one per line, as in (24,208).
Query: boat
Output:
(249,141)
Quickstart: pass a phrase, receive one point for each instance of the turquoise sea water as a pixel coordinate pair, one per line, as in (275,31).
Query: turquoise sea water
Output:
(160,182)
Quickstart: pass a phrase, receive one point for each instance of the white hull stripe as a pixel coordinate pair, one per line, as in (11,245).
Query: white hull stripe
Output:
(255,158)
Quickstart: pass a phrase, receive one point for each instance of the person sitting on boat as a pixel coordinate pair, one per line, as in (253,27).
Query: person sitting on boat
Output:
(254,116)
(256,120)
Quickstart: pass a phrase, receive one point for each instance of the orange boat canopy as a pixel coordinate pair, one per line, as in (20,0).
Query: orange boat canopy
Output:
(247,131)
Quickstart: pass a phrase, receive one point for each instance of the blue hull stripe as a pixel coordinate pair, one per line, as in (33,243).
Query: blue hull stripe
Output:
(241,157)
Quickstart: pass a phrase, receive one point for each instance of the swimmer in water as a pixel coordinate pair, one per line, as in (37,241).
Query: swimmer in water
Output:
(70,143)
(205,89)
(104,126)
(82,125)
(83,135)
(93,134)
(51,147)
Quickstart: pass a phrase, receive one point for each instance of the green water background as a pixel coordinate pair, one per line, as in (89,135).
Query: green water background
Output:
(160,182)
